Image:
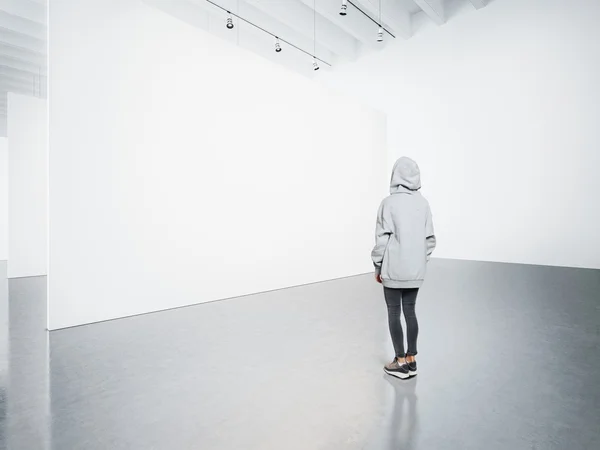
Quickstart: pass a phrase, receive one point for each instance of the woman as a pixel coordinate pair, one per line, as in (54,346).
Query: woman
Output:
(404,244)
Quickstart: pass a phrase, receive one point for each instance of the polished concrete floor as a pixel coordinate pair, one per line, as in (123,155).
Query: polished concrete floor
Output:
(509,359)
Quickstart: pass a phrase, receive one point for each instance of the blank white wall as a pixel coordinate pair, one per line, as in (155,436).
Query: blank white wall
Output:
(3,199)
(185,170)
(28,186)
(501,108)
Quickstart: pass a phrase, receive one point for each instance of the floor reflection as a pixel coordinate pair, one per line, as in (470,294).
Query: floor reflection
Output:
(309,373)
(403,423)
(27,402)
(3,354)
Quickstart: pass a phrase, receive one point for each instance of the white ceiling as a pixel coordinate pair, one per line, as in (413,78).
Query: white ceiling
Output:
(23,51)
(339,40)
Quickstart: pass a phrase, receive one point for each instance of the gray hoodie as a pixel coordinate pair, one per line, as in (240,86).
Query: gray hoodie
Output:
(404,237)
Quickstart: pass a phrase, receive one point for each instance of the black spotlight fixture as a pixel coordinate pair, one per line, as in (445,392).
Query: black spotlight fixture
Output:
(229,21)
(344,9)
(380,35)
(315,64)
(277,45)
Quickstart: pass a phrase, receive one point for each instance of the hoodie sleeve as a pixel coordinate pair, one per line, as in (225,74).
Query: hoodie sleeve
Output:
(382,235)
(429,234)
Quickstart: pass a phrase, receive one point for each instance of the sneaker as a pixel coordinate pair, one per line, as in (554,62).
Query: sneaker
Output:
(396,369)
(412,368)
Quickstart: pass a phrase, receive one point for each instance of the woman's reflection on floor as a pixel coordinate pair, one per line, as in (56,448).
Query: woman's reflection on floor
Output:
(403,420)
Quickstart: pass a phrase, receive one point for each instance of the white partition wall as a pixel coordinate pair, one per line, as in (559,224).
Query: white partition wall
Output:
(3,199)
(28,186)
(184,169)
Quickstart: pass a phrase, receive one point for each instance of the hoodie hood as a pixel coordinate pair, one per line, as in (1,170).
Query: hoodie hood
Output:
(406,176)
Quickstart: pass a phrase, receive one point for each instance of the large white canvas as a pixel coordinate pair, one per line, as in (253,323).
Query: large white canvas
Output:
(184,169)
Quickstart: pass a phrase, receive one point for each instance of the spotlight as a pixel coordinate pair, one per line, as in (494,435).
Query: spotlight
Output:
(315,64)
(380,35)
(344,9)
(277,45)
(229,22)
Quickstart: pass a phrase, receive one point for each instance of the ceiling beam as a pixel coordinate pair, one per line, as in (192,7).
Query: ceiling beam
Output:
(201,14)
(19,64)
(434,9)
(22,25)
(34,11)
(182,10)
(478,4)
(300,17)
(258,18)
(22,40)
(22,54)
(18,73)
(393,16)
(355,24)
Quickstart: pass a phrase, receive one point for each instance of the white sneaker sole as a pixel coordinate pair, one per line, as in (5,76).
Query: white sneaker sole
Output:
(402,376)
(412,373)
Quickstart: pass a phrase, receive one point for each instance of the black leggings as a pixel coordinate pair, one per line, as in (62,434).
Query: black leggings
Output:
(397,299)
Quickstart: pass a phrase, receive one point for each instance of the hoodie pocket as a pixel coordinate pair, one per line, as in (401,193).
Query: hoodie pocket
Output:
(401,263)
